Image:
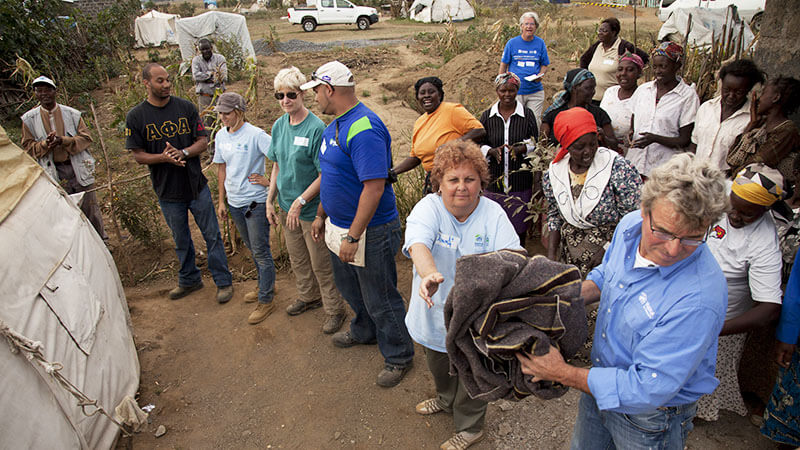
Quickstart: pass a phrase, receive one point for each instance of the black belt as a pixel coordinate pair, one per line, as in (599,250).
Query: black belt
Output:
(62,163)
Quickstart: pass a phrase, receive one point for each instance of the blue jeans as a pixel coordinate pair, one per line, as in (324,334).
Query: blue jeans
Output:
(177,217)
(254,229)
(664,428)
(372,293)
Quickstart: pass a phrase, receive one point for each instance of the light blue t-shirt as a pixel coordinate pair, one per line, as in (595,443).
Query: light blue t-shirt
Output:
(487,229)
(526,58)
(243,153)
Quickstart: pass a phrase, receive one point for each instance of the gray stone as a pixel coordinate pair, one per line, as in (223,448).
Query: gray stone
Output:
(160,431)
(504,429)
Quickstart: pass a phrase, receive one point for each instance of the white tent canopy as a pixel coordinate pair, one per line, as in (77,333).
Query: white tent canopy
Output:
(441,10)
(58,287)
(705,23)
(191,29)
(154,28)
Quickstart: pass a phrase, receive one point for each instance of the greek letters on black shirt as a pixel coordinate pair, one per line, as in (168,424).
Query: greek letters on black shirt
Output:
(149,128)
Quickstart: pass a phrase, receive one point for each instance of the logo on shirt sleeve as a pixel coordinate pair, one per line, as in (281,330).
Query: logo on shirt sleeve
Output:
(718,232)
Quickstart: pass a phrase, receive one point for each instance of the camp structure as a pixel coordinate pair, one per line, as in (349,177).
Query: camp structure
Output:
(154,28)
(64,320)
(707,24)
(441,10)
(210,24)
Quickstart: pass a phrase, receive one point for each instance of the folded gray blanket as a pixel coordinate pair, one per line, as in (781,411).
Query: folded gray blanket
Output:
(502,303)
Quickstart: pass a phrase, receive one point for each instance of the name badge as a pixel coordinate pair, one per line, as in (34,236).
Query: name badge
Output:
(447,241)
(608,62)
(301,141)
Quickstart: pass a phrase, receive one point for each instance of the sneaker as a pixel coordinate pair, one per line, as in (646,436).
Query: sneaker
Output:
(462,440)
(224,294)
(251,297)
(183,291)
(391,375)
(429,406)
(333,323)
(262,311)
(299,307)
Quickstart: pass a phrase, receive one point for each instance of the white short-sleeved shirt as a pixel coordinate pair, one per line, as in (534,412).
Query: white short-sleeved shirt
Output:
(751,260)
(604,68)
(676,109)
(620,112)
(487,229)
(243,153)
(714,138)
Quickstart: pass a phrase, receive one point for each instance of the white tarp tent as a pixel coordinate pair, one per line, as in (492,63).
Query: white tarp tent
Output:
(218,23)
(705,23)
(154,28)
(441,10)
(59,289)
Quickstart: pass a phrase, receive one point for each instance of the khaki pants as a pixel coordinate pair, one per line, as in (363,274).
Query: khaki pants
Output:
(534,102)
(468,413)
(311,264)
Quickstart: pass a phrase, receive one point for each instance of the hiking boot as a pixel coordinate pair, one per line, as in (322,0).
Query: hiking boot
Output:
(333,323)
(251,297)
(262,311)
(391,375)
(224,294)
(429,406)
(462,440)
(183,291)
(299,307)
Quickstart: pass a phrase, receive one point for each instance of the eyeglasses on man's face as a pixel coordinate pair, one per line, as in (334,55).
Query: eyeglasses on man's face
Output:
(664,236)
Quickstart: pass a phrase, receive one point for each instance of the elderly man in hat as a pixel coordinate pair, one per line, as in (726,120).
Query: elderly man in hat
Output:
(56,136)
(165,133)
(662,305)
(362,230)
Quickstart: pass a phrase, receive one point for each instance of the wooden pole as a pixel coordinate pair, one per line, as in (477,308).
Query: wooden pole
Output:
(635,42)
(110,185)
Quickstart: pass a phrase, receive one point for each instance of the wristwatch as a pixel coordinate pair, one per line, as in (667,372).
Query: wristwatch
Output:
(185,153)
(349,239)
(302,200)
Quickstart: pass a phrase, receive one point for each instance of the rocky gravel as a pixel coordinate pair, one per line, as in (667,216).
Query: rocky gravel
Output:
(262,46)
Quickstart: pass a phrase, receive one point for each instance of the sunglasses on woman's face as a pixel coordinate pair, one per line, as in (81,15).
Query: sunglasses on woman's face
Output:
(280,95)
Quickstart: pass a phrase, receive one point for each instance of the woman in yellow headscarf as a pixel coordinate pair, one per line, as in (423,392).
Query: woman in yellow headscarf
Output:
(745,244)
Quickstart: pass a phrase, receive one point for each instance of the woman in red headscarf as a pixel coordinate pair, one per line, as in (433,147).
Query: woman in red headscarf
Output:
(588,190)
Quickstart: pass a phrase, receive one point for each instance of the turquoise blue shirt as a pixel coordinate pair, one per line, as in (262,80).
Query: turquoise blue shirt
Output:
(655,341)
(487,229)
(243,154)
(295,148)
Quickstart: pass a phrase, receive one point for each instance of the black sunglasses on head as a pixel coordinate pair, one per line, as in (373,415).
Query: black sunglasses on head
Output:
(250,209)
(280,95)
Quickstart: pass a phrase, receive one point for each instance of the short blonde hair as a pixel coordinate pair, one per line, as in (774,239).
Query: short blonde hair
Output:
(289,78)
(454,153)
(529,14)
(695,189)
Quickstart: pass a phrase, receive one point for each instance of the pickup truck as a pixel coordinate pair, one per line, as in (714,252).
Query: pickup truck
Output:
(327,12)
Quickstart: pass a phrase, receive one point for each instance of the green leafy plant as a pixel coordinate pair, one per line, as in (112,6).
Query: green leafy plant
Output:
(138,212)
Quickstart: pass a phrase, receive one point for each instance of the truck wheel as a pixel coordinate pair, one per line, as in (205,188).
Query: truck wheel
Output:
(362,23)
(309,25)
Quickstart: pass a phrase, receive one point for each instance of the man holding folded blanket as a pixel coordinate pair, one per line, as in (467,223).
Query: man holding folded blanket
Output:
(662,305)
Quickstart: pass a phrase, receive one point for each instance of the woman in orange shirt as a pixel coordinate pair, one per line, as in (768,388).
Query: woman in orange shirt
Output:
(440,122)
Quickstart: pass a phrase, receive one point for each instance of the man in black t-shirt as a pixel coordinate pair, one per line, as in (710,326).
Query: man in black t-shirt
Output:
(166,134)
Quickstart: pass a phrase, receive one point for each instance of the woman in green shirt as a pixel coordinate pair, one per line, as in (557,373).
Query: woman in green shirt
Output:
(296,138)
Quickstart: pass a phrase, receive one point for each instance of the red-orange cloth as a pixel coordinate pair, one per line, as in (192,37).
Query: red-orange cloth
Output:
(569,126)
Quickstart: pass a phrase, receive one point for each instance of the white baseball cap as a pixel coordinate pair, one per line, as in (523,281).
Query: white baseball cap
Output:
(332,73)
(44,80)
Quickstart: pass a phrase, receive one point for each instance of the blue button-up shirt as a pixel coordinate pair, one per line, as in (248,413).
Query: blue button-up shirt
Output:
(655,341)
